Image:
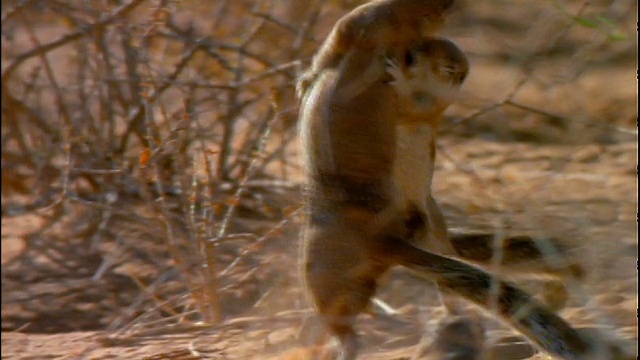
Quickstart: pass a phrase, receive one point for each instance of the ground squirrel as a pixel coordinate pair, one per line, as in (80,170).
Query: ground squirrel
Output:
(363,217)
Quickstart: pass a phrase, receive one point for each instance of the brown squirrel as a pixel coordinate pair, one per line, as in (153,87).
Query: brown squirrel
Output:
(369,110)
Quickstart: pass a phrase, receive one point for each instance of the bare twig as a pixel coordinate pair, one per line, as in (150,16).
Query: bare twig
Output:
(66,39)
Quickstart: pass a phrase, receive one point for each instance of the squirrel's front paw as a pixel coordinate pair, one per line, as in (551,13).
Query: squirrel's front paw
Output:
(392,68)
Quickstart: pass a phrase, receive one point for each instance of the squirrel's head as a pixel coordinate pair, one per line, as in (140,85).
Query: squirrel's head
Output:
(428,76)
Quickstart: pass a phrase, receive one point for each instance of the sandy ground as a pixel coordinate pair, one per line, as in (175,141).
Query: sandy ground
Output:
(597,215)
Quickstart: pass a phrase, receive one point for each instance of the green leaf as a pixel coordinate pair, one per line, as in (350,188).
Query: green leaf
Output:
(605,20)
(618,36)
(583,21)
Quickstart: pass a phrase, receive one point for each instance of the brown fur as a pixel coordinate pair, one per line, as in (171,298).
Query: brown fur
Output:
(364,216)
(375,28)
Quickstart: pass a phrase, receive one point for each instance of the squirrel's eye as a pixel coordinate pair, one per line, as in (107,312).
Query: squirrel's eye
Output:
(409,58)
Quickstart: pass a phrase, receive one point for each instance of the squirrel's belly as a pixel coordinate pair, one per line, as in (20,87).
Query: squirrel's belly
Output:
(413,167)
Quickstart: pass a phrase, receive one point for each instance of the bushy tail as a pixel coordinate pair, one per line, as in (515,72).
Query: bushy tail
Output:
(519,253)
(513,305)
